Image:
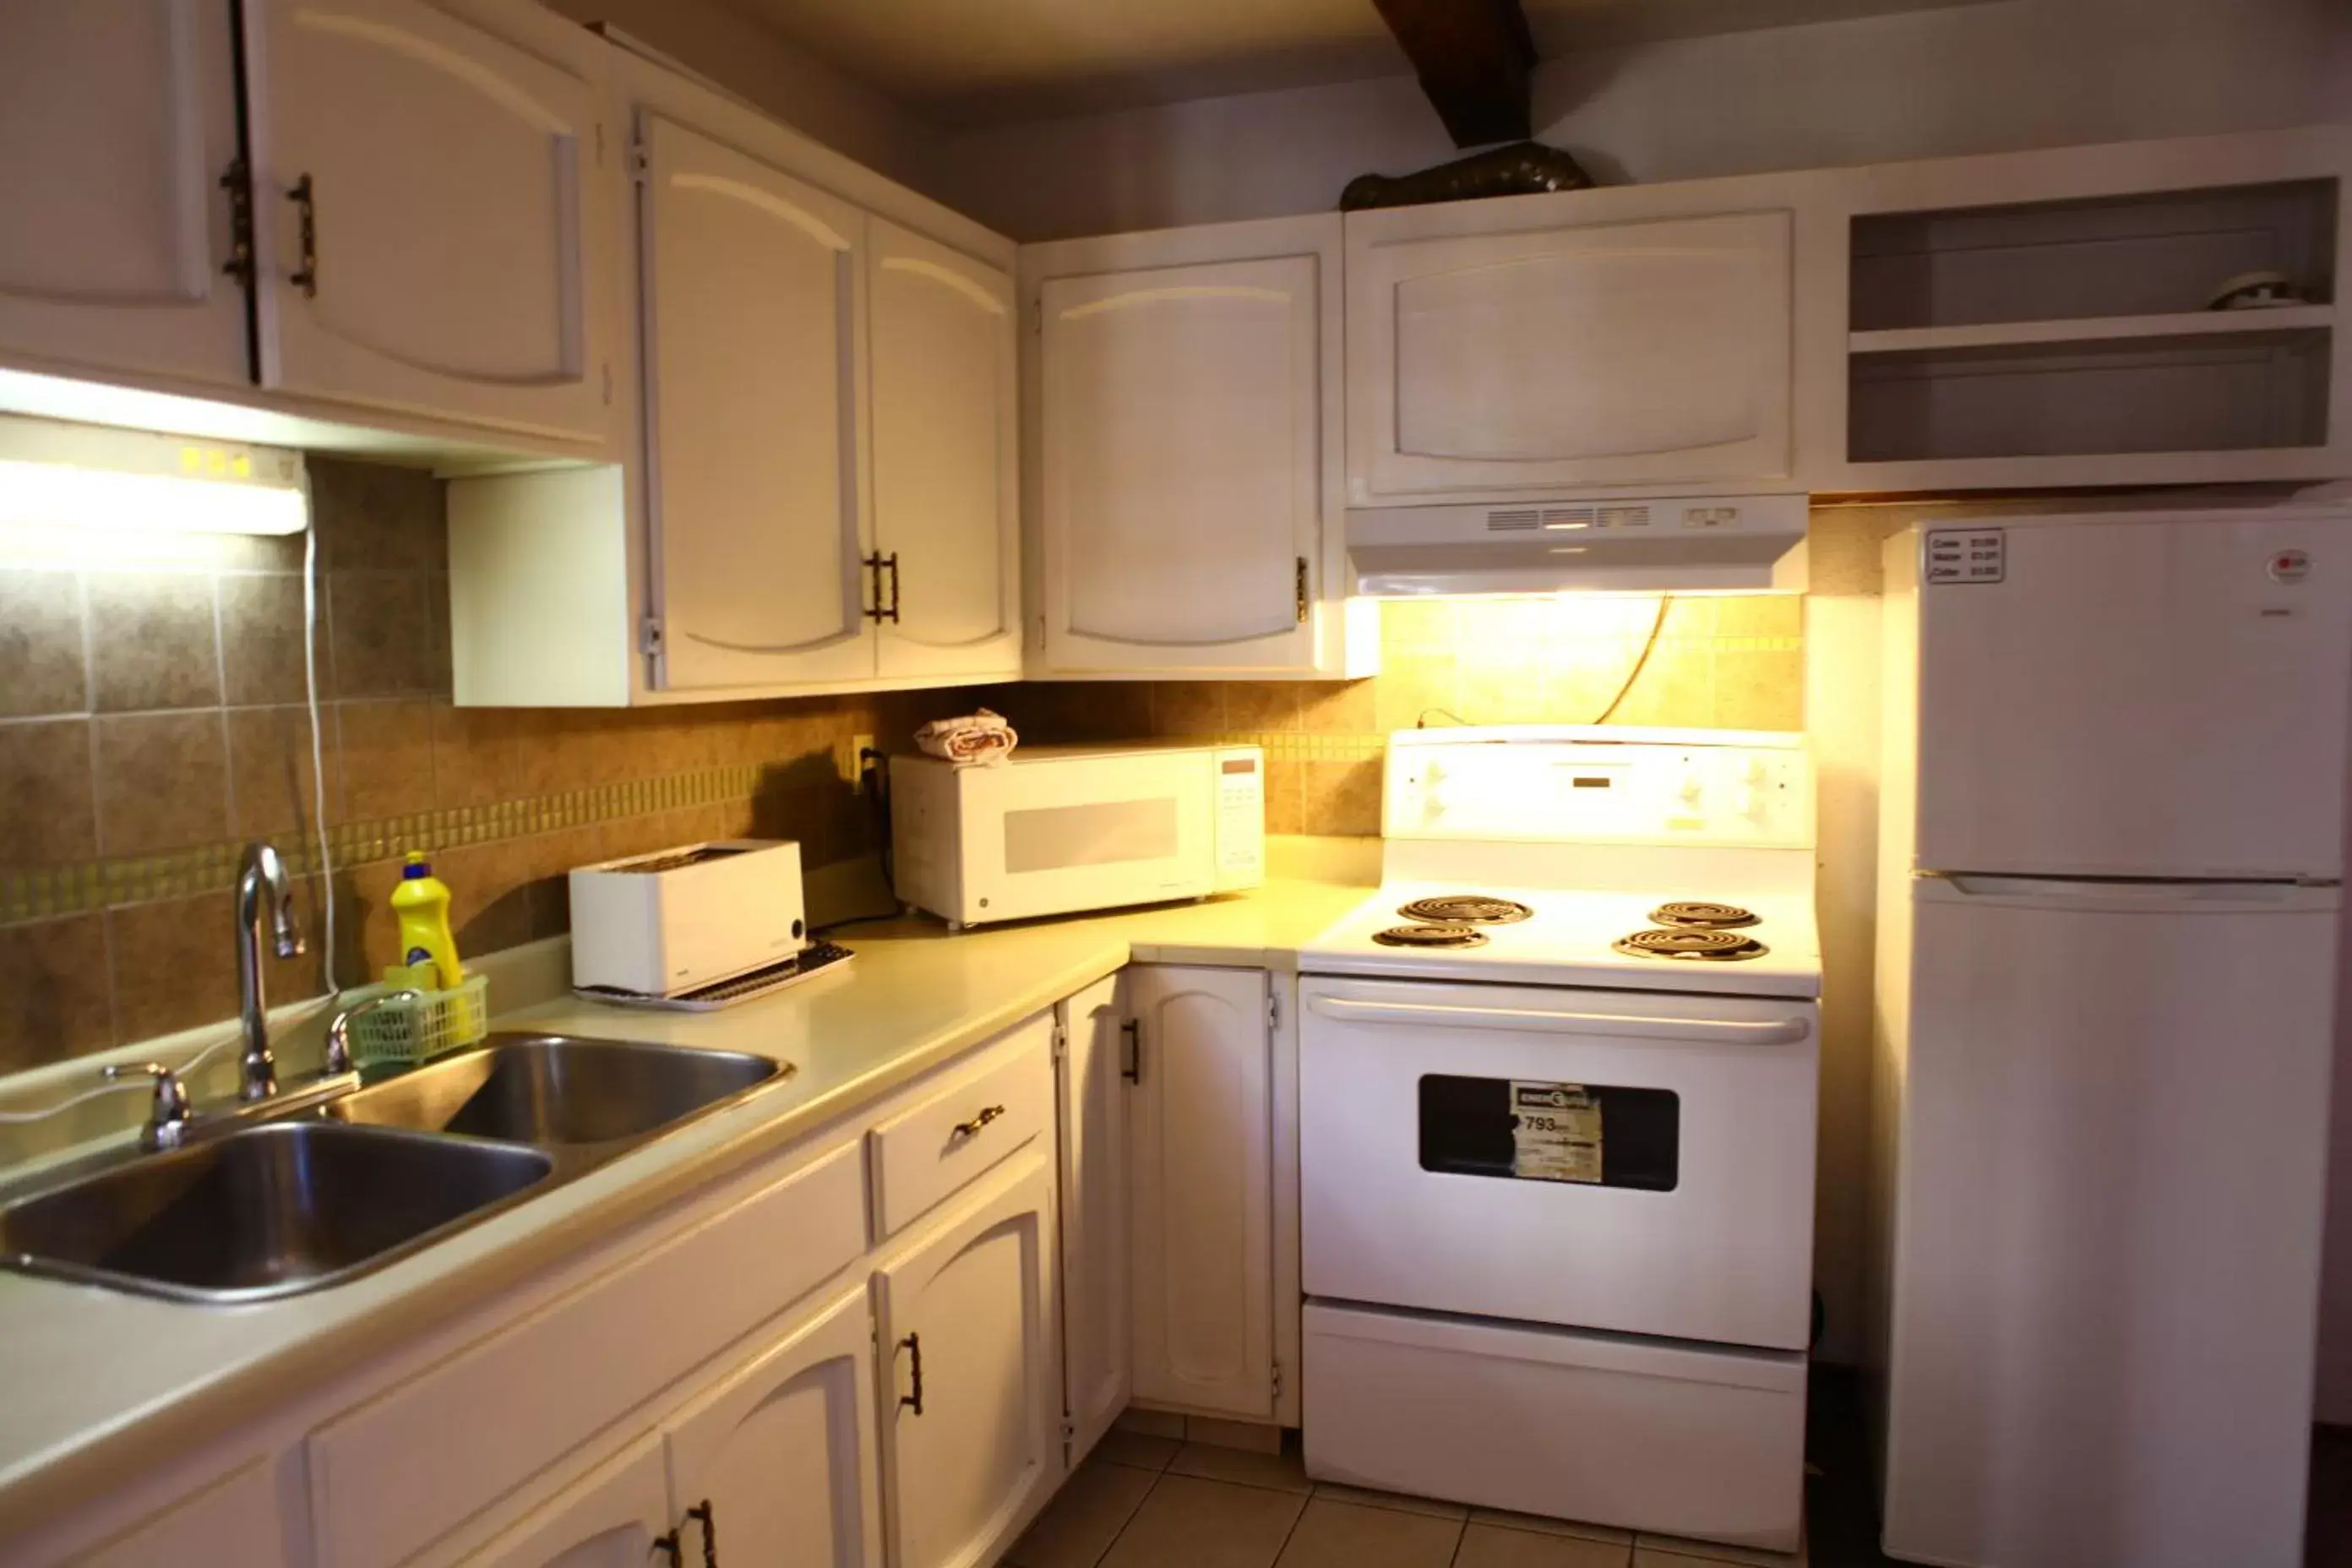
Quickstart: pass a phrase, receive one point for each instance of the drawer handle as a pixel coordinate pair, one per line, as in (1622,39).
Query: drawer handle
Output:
(705,1515)
(913,1345)
(972,1129)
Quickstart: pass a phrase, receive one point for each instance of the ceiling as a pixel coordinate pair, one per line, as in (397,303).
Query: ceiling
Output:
(975,62)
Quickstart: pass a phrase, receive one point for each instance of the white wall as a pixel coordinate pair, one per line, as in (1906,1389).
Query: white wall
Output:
(1988,78)
(783,79)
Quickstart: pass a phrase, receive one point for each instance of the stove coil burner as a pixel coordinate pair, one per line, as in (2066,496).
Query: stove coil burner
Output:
(1432,936)
(1691,946)
(1704,916)
(1466,908)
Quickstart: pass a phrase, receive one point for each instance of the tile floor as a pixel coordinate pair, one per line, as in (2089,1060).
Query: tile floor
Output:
(1154,1503)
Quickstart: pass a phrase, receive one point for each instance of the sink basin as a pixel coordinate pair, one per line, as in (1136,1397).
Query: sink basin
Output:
(557,1091)
(272,1210)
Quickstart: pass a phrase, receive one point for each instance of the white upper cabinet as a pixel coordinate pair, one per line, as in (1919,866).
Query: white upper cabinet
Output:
(1097,1366)
(120,118)
(1512,347)
(970,1406)
(947,487)
(749,282)
(1184,449)
(1203,1205)
(433,194)
(780,1457)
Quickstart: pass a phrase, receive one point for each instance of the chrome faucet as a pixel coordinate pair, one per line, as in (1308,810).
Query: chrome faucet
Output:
(259,875)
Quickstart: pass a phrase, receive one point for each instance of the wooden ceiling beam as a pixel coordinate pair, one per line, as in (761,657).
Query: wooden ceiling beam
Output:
(1472,57)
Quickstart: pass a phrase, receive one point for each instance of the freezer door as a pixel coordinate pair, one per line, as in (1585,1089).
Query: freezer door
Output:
(2112,1151)
(2135,697)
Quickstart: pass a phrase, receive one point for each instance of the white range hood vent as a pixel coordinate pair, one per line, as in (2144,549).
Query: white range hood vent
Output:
(1649,544)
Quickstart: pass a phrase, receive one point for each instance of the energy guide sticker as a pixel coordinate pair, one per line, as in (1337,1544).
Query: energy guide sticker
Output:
(1555,1133)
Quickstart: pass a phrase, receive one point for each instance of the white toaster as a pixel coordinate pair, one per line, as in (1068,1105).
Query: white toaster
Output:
(680,919)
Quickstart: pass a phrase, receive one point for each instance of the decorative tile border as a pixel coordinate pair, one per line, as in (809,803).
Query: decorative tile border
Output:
(50,893)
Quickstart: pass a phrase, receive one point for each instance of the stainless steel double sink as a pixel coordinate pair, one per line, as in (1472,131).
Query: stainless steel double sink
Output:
(299,1202)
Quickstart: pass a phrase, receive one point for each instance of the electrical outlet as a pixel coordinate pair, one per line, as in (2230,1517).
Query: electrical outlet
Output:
(846,755)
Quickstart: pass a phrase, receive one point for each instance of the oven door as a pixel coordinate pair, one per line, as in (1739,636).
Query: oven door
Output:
(1634,1161)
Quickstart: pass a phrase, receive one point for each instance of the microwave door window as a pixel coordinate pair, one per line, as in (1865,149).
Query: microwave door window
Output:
(1100,832)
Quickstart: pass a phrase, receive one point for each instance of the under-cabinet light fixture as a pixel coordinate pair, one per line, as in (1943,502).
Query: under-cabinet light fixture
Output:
(57,475)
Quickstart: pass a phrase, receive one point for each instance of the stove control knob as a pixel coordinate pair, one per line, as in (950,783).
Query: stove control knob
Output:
(1751,803)
(1692,789)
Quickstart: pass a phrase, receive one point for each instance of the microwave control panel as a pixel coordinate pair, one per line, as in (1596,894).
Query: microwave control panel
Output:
(1241,815)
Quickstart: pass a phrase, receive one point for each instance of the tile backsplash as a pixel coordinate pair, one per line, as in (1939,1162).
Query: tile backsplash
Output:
(152,719)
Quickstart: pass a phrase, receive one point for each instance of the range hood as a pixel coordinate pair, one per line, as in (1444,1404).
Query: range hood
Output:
(1649,544)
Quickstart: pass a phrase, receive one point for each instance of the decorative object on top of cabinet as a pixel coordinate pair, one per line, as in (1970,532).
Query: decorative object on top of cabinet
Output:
(834,511)
(434,200)
(970,1422)
(2051,318)
(1183,435)
(1536,347)
(120,189)
(1199,1135)
(1521,169)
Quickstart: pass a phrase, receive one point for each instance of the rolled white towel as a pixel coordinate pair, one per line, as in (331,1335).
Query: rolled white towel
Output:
(977,740)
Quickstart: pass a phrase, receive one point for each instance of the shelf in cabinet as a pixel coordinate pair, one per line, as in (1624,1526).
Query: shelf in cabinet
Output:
(2093,329)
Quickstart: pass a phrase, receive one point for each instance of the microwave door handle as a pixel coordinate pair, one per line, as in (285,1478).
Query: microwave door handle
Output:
(1703,1031)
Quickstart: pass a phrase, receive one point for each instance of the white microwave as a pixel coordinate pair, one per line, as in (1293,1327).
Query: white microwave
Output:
(1055,829)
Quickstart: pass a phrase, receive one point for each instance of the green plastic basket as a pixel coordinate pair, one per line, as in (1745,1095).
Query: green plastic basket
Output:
(408,1030)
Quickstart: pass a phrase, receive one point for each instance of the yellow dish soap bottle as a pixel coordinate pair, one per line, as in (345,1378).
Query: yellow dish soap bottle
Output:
(422,903)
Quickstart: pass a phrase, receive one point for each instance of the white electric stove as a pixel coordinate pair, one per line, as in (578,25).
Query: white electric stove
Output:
(1556,1088)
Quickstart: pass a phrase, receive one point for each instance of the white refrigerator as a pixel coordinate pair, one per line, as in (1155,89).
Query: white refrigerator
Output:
(2111,840)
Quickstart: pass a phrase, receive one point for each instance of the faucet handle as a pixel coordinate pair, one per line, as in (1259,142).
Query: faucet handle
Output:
(168,1113)
(339,1032)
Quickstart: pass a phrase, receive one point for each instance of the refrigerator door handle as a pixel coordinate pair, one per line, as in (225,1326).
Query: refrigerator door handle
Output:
(2123,895)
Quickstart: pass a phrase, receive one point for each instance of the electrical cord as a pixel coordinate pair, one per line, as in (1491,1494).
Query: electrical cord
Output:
(1649,646)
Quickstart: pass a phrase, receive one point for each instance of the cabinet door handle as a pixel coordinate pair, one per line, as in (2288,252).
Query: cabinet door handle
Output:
(890,560)
(913,1345)
(705,1515)
(972,1129)
(668,1547)
(1299,585)
(1131,1032)
(306,277)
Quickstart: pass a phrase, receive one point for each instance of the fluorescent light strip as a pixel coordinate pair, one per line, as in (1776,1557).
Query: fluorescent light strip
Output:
(59,495)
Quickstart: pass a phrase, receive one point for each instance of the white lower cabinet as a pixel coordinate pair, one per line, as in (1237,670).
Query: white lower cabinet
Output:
(610,1518)
(1202,1207)
(777,1462)
(1097,1363)
(237,1520)
(970,1411)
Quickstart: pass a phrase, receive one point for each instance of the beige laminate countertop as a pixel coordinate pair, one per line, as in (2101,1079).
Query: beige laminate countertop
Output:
(98,1386)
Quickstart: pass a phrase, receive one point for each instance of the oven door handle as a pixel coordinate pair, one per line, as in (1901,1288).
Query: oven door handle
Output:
(1785,1031)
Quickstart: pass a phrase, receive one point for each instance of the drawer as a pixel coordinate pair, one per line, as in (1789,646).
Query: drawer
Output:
(952,1130)
(422,1458)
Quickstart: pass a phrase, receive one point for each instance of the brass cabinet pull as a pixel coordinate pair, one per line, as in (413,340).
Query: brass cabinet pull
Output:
(971,1128)
(306,277)
(913,1345)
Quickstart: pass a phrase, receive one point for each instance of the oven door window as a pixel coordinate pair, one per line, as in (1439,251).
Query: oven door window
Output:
(1590,1134)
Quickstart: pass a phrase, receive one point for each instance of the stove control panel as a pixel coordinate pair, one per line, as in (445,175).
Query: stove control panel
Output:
(1652,787)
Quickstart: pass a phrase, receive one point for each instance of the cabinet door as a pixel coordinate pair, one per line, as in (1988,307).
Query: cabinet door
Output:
(120,119)
(610,1518)
(1094,1341)
(1203,1195)
(1181,480)
(234,1519)
(753,376)
(968,1412)
(432,199)
(947,499)
(1567,355)
(782,1453)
